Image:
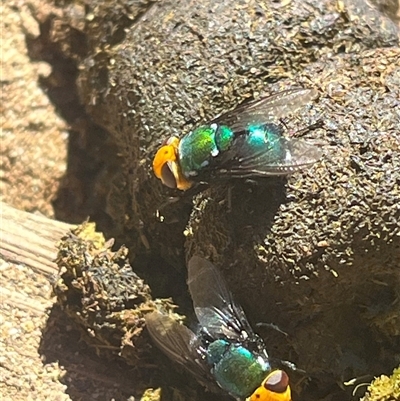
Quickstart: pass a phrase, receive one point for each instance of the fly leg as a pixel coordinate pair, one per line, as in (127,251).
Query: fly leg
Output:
(272,326)
(287,364)
(166,214)
(229,199)
(318,124)
(292,366)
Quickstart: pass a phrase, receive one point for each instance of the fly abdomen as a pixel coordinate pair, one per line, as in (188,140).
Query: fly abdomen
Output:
(224,137)
(235,368)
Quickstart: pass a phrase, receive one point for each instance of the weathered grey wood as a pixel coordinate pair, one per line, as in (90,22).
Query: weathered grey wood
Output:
(30,239)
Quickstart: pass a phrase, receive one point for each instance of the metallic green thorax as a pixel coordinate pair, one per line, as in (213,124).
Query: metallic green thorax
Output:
(197,148)
(235,368)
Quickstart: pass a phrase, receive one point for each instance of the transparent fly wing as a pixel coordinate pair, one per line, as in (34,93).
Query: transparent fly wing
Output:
(279,156)
(213,303)
(174,339)
(267,109)
(181,345)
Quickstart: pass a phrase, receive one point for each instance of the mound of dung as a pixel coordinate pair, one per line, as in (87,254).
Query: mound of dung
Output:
(99,290)
(321,250)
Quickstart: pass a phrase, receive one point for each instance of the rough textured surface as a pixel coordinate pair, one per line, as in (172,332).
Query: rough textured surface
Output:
(27,377)
(42,357)
(324,245)
(326,248)
(179,64)
(32,135)
(148,70)
(98,289)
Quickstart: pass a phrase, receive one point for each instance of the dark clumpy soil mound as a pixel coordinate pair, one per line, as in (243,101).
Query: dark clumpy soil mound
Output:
(100,291)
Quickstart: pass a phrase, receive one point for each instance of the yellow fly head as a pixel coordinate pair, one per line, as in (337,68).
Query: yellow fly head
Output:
(166,166)
(275,387)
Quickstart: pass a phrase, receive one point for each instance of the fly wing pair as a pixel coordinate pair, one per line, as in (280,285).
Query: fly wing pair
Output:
(218,314)
(283,155)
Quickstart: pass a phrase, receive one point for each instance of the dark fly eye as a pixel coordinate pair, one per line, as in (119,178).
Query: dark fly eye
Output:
(277,382)
(167,176)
